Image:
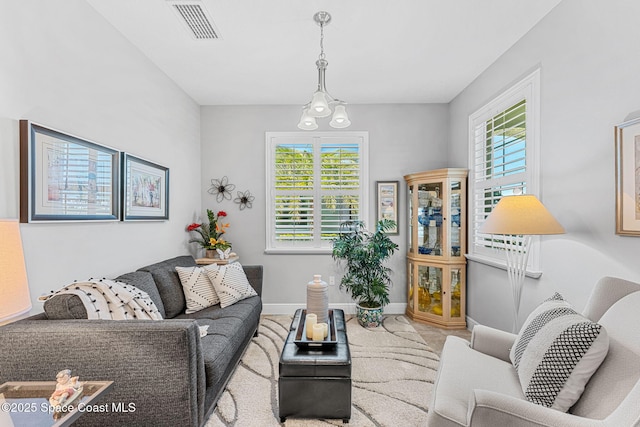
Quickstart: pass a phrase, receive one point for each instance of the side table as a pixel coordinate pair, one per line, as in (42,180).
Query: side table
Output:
(315,383)
(207,261)
(26,403)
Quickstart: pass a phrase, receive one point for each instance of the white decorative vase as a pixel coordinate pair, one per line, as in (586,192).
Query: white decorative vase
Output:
(318,299)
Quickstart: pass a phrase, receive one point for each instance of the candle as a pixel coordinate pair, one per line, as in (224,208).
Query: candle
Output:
(318,332)
(310,321)
(325,329)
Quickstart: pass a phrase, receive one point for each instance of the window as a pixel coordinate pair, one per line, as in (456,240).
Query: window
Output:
(503,147)
(315,181)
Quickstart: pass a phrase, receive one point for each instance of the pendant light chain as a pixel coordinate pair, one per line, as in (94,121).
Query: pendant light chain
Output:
(322,55)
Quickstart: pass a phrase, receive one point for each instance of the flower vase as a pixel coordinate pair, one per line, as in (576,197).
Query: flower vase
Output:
(211,253)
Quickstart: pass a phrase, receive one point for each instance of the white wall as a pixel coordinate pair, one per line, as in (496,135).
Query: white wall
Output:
(63,66)
(403,139)
(588,54)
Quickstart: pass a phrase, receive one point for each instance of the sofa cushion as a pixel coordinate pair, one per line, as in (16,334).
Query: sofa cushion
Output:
(198,289)
(166,277)
(254,275)
(249,308)
(143,280)
(231,283)
(228,328)
(615,379)
(556,352)
(458,376)
(64,307)
(104,299)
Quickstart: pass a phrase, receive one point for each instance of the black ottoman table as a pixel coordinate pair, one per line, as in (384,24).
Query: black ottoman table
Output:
(316,383)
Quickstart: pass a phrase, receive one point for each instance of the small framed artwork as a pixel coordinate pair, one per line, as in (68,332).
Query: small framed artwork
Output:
(627,137)
(66,178)
(145,192)
(387,202)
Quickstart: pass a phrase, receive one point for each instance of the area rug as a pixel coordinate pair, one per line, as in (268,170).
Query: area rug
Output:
(393,371)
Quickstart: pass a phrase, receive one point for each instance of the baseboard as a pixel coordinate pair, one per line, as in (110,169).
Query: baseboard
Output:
(396,308)
(349,308)
(471,323)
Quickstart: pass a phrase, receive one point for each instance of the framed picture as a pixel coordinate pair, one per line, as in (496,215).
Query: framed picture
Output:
(387,202)
(628,178)
(145,192)
(66,178)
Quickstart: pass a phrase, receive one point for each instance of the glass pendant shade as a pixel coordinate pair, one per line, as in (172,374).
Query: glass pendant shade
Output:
(307,122)
(340,118)
(319,106)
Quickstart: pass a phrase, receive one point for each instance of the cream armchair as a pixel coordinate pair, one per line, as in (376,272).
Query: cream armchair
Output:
(478,386)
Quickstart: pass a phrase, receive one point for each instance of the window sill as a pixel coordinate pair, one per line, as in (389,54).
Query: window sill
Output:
(298,251)
(534,274)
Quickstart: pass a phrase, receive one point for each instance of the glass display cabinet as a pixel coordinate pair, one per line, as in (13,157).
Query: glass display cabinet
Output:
(436,266)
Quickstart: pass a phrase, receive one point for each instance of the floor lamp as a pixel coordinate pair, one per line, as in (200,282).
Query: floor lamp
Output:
(14,288)
(514,216)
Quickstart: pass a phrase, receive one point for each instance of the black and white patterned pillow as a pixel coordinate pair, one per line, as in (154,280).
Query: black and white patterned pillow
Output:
(199,292)
(231,283)
(556,352)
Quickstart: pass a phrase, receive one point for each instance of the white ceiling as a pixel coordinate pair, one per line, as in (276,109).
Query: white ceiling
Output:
(379,51)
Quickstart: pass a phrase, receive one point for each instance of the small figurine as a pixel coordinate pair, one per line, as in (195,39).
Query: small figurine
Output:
(224,254)
(68,388)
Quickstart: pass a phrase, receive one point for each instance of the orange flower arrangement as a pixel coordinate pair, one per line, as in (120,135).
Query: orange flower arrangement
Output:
(210,235)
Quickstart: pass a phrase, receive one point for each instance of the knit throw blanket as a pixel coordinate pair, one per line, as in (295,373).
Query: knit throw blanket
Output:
(110,300)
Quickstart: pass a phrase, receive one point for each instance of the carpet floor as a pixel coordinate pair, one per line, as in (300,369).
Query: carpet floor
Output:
(393,371)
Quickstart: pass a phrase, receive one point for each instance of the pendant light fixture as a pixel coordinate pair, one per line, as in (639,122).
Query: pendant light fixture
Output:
(321,103)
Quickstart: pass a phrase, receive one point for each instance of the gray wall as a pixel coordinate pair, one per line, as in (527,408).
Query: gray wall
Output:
(402,139)
(588,54)
(82,77)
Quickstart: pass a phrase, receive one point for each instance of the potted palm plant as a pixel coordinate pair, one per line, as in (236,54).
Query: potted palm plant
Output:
(362,253)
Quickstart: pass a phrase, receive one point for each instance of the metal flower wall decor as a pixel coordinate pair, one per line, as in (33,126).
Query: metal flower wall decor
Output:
(245,199)
(221,188)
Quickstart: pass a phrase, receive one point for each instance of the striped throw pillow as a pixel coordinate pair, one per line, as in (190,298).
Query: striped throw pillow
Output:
(556,352)
(199,292)
(231,284)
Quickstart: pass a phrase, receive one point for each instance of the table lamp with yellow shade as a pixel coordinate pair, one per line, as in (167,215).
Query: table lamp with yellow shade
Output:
(520,215)
(14,288)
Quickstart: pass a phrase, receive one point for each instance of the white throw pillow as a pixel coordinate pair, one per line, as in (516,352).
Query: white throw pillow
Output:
(198,290)
(231,283)
(556,352)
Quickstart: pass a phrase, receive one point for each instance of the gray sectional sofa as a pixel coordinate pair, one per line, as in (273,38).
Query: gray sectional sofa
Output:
(164,368)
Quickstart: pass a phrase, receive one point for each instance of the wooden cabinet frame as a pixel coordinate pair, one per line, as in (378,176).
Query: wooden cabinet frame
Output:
(436,265)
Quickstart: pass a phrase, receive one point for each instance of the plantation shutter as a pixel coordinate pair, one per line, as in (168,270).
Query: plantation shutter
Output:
(339,186)
(316,182)
(294,195)
(500,165)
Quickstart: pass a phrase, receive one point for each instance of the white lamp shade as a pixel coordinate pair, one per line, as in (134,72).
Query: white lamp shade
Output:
(14,289)
(307,122)
(520,215)
(319,106)
(340,118)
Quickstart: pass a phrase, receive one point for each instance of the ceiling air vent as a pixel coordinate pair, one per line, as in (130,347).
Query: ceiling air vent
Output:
(194,15)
